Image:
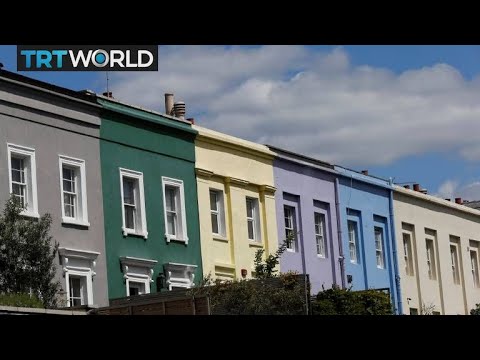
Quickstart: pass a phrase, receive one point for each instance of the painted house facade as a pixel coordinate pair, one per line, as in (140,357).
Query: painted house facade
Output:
(306,207)
(438,245)
(368,235)
(150,200)
(236,202)
(49,160)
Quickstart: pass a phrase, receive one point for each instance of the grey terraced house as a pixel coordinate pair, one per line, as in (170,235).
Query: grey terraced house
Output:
(50,159)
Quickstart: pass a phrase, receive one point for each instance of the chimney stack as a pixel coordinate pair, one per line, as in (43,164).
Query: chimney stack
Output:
(179,109)
(458,201)
(108,94)
(365,172)
(407,187)
(416,187)
(169,104)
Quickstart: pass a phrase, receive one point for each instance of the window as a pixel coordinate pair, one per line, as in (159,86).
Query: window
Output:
(253,220)
(78,290)
(320,235)
(136,288)
(474,264)
(78,268)
(290,231)
(407,254)
(413,311)
(73,191)
(217,212)
(352,241)
(432,272)
(174,205)
(435,312)
(379,247)
(138,274)
(133,203)
(454,260)
(22,177)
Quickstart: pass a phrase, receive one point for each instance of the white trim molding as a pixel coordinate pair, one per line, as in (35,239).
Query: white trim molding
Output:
(79,263)
(30,175)
(81,207)
(181,216)
(179,275)
(137,270)
(140,214)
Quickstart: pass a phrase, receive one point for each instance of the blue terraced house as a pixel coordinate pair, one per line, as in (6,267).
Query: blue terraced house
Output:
(368,236)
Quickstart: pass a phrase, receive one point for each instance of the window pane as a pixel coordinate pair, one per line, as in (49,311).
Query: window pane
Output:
(129,217)
(251,232)
(249,208)
(213,201)
(170,194)
(215,223)
(69,205)
(76,296)
(68,180)
(129,191)
(172,223)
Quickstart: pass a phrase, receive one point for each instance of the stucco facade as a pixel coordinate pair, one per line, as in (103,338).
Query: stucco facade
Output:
(146,158)
(438,250)
(306,194)
(369,249)
(42,128)
(236,201)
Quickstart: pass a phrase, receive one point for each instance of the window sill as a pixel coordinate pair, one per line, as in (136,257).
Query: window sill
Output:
(127,232)
(291,251)
(171,238)
(30,214)
(220,238)
(255,244)
(321,256)
(68,221)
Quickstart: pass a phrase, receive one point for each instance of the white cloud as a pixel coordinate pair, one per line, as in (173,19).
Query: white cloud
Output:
(451,189)
(315,103)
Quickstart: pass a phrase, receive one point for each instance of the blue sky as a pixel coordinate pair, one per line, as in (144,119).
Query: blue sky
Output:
(407,112)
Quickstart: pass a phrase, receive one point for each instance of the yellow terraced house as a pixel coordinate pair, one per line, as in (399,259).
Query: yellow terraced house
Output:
(236,201)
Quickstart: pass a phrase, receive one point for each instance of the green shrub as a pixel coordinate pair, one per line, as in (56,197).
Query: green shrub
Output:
(475,311)
(336,301)
(20,300)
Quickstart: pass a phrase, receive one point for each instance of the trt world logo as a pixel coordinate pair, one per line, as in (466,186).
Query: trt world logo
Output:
(87,58)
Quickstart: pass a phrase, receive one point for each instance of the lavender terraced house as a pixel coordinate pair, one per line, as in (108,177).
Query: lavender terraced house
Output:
(305,204)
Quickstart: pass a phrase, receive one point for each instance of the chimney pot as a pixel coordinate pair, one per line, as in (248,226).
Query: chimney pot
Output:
(424,191)
(108,94)
(416,187)
(365,172)
(168,103)
(448,199)
(407,186)
(192,120)
(458,201)
(179,109)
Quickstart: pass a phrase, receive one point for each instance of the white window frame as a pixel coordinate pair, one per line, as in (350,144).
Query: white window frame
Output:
(431,260)
(137,270)
(31,198)
(181,231)
(408,253)
(88,258)
(455,263)
(255,219)
(322,254)
(220,212)
(78,165)
(474,267)
(139,207)
(353,244)
(379,251)
(292,211)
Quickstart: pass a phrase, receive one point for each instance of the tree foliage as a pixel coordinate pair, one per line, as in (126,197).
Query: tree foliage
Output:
(336,301)
(27,254)
(20,300)
(267,268)
(475,311)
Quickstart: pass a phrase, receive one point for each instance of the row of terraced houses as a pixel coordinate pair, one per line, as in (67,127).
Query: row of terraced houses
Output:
(145,202)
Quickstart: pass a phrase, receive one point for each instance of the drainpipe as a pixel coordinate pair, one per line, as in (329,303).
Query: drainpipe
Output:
(341,258)
(394,248)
